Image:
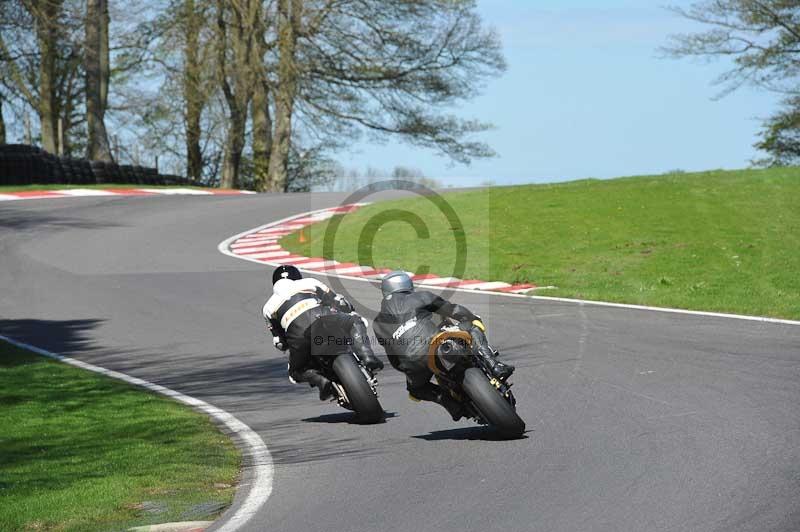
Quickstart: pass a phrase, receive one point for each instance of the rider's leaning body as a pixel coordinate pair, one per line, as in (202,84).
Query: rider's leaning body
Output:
(295,307)
(405,328)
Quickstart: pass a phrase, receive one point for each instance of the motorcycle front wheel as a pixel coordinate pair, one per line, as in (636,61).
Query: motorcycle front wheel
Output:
(494,407)
(359,392)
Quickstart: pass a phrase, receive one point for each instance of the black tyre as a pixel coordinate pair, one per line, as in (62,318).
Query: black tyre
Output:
(363,401)
(494,407)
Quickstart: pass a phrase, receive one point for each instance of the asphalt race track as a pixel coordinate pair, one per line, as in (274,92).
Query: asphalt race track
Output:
(637,420)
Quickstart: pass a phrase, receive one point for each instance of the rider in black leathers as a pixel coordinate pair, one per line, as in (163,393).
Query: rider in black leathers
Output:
(300,308)
(405,328)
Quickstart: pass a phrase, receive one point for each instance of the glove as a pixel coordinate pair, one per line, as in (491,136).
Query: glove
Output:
(341,304)
(474,324)
(279,343)
(277,334)
(335,301)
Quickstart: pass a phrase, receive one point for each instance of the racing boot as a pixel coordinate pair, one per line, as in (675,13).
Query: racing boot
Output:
(500,370)
(372,362)
(315,379)
(453,407)
(433,393)
(362,347)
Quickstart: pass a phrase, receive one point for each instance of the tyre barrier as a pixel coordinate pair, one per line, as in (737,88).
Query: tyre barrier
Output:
(21,164)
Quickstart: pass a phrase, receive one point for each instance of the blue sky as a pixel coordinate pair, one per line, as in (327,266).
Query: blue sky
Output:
(587,94)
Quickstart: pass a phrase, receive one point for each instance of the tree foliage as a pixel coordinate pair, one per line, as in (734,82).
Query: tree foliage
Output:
(393,67)
(762,39)
(780,136)
(260,93)
(41,65)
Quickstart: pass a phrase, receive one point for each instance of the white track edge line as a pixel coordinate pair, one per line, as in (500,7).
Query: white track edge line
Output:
(112,192)
(223,248)
(259,487)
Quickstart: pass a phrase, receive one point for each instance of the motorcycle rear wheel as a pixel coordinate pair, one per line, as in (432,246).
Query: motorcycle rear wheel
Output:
(493,406)
(359,392)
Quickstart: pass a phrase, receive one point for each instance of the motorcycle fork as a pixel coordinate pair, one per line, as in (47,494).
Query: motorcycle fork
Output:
(342,398)
(341,395)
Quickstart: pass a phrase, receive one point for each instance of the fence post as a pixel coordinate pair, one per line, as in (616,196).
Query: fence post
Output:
(28,136)
(60,147)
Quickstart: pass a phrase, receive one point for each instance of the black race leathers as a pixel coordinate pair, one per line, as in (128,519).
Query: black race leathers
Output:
(405,328)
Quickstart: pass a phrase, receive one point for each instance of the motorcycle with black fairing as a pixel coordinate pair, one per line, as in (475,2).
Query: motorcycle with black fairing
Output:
(468,379)
(355,386)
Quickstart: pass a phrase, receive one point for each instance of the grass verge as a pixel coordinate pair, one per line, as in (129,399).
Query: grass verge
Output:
(84,452)
(725,241)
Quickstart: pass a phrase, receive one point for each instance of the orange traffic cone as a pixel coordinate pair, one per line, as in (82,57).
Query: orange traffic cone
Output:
(303,238)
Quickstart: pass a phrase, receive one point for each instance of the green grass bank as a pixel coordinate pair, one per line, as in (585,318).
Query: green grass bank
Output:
(726,241)
(82,452)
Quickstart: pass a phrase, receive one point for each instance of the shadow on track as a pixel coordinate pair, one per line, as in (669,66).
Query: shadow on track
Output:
(249,385)
(236,382)
(341,417)
(63,337)
(23,220)
(466,433)
(238,376)
(70,429)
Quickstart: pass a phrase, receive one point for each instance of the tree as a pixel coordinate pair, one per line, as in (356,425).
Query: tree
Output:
(780,136)
(195,86)
(393,67)
(70,96)
(309,169)
(261,115)
(2,123)
(289,17)
(389,68)
(762,37)
(46,15)
(235,41)
(38,56)
(166,87)
(97,70)
(201,81)
(415,175)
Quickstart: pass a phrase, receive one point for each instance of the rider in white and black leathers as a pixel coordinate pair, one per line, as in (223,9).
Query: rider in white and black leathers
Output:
(405,328)
(299,305)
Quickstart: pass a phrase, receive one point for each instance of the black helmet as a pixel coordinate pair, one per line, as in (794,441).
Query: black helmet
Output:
(286,271)
(396,281)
